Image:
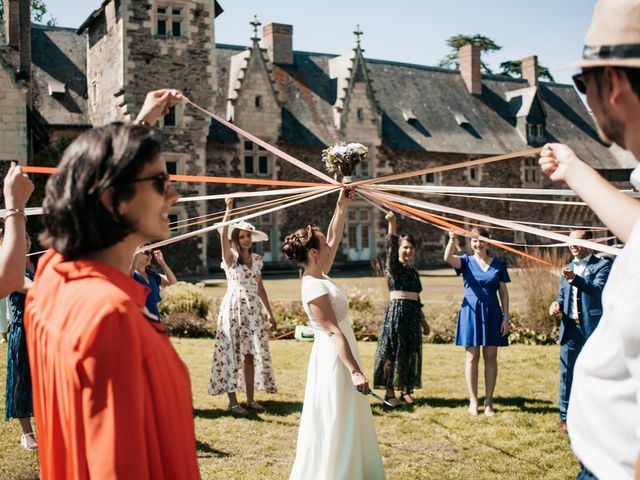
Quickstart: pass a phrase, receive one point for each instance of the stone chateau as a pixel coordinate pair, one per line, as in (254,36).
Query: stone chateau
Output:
(56,82)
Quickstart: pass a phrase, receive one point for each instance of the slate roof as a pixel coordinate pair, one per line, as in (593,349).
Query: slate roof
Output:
(59,81)
(436,97)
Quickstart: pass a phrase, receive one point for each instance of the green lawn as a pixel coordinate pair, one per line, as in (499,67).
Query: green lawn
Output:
(437,439)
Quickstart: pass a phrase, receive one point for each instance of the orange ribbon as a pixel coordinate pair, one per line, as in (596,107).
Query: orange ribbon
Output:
(203,179)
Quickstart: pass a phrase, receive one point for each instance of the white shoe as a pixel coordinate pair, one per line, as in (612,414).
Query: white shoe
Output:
(28,441)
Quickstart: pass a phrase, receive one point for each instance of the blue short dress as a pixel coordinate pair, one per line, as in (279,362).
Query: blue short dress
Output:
(480,316)
(154,297)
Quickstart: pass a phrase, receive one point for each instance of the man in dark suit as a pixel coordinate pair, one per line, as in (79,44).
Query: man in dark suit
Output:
(579,308)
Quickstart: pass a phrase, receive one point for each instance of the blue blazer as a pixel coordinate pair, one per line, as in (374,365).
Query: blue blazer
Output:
(590,286)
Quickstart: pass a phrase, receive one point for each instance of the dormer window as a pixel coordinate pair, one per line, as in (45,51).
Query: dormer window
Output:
(535,134)
(169,20)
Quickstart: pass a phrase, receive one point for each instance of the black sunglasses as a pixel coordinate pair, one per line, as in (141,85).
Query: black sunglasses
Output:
(160,182)
(578,81)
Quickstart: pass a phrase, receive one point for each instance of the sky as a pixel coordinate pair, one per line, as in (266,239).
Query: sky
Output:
(409,31)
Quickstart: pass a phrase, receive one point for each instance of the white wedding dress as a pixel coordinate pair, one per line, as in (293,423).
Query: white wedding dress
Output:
(337,439)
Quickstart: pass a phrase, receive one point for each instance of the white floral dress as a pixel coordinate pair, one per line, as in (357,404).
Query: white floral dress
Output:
(241,332)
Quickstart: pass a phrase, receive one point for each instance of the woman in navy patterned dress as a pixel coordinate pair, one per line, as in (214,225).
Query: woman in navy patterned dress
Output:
(18,403)
(398,360)
(482,323)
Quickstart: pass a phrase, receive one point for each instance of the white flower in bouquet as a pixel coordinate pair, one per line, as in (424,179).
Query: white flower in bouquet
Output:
(342,158)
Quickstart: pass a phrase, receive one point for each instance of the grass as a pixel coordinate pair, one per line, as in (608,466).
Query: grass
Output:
(437,439)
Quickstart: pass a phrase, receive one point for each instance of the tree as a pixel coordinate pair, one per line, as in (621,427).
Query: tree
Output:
(38,11)
(452,60)
(513,68)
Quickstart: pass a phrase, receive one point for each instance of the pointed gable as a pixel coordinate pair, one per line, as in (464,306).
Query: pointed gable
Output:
(356,111)
(252,99)
(526,106)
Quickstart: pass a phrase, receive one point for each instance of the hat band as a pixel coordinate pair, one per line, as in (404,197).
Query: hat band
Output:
(631,50)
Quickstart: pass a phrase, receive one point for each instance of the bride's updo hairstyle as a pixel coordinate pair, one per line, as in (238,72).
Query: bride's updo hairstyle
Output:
(297,245)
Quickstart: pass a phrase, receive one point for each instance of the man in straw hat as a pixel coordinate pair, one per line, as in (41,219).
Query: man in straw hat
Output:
(604,408)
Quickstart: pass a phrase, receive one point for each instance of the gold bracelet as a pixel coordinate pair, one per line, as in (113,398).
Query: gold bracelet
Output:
(15,211)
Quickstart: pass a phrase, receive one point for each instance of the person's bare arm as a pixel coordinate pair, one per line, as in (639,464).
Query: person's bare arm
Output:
(17,188)
(323,311)
(449,257)
(225,244)
(560,163)
(336,228)
(503,291)
(167,277)
(262,293)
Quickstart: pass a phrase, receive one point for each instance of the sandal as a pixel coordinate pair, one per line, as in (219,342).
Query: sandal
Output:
(237,409)
(390,399)
(28,441)
(256,407)
(407,398)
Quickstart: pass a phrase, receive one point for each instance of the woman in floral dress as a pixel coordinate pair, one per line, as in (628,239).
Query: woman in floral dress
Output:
(398,360)
(241,358)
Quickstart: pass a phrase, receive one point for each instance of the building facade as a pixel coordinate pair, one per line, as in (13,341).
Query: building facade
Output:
(57,82)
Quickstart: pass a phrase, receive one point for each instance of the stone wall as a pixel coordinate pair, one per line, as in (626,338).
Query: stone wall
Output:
(105,65)
(184,63)
(13,118)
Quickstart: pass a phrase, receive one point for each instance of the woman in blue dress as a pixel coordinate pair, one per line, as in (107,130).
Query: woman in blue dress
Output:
(398,359)
(482,321)
(144,274)
(18,401)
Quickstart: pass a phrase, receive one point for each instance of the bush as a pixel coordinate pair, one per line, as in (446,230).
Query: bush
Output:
(184,297)
(188,325)
(187,311)
(540,284)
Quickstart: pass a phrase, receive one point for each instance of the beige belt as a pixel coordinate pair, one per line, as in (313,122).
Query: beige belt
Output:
(402,295)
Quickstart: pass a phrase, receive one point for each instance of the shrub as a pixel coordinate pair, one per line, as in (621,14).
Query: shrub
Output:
(540,284)
(188,325)
(184,297)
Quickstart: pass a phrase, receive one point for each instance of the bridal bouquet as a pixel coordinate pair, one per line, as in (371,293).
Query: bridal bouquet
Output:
(342,158)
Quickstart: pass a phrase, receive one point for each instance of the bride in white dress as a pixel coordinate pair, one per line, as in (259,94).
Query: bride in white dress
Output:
(337,439)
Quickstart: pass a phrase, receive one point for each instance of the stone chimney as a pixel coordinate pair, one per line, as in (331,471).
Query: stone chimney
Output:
(17,14)
(278,38)
(470,68)
(529,69)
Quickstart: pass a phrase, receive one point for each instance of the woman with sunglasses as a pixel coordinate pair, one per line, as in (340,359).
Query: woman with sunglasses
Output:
(241,358)
(112,398)
(144,274)
(337,438)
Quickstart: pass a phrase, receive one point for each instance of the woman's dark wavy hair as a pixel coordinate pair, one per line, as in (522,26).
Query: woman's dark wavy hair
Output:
(483,232)
(76,221)
(297,245)
(409,238)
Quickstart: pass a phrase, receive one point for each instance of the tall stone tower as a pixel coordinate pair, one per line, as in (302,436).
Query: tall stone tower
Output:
(134,46)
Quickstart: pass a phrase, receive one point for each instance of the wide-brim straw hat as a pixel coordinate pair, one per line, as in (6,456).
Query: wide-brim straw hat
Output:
(613,38)
(256,235)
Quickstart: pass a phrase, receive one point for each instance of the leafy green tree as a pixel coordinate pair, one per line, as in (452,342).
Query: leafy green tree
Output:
(452,60)
(38,11)
(513,68)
